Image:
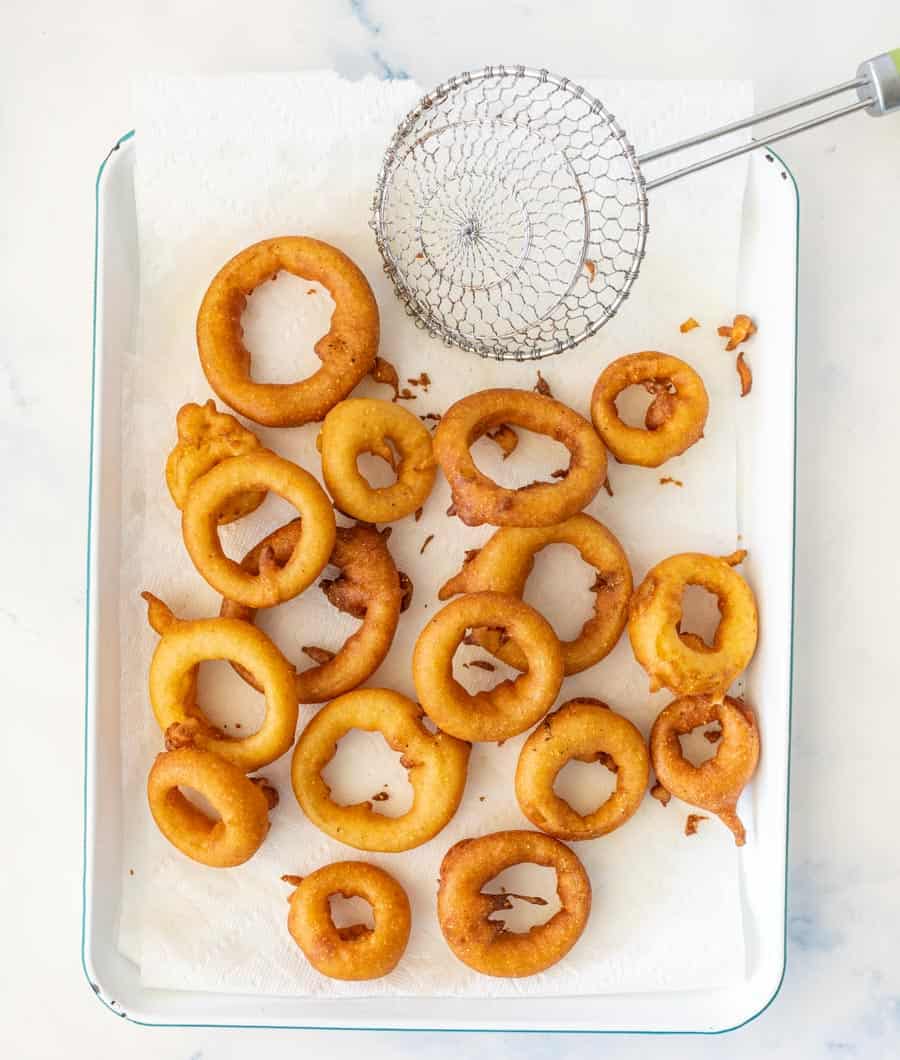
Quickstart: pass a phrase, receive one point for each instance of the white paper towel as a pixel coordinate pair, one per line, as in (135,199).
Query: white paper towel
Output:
(222,163)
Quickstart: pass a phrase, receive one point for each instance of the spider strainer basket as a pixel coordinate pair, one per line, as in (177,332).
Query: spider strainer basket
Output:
(511,213)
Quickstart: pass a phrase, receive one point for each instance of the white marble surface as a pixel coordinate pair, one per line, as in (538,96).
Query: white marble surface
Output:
(63,86)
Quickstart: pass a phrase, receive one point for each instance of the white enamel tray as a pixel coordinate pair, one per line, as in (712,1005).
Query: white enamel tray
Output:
(767,290)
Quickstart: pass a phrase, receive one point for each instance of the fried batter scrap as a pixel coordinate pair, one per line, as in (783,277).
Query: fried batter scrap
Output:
(381,796)
(384,372)
(741,329)
(660,794)
(319,656)
(590,267)
(505,437)
(744,374)
(689,325)
(406,588)
(542,386)
(417,515)
(561,472)
(482,664)
(426,543)
(406,395)
(660,409)
(713,735)
(668,480)
(693,820)
(435,417)
(451,511)
(608,487)
(423,379)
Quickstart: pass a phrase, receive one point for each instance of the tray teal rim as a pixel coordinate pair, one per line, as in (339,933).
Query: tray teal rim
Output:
(96,990)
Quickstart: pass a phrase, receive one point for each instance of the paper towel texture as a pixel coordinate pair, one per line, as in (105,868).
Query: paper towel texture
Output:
(222,163)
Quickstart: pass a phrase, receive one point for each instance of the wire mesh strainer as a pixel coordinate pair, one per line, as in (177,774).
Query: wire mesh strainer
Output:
(511,210)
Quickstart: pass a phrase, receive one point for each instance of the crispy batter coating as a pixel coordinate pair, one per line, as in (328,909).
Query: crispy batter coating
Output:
(368,587)
(182,647)
(437,765)
(717,783)
(675,419)
(365,425)
(347,352)
(510,707)
(206,438)
(356,951)
(505,562)
(478,499)
(683,662)
(273,584)
(242,805)
(588,731)
(464,909)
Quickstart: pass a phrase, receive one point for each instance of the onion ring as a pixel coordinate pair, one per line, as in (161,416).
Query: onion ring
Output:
(347,352)
(437,765)
(478,499)
(365,425)
(674,421)
(211,493)
(242,803)
(463,908)
(683,662)
(182,647)
(354,952)
(369,588)
(206,438)
(586,730)
(510,707)
(504,563)
(717,783)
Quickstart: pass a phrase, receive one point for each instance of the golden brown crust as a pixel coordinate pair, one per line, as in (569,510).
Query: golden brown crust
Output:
(173,677)
(347,352)
(717,783)
(368,587)
(242,806)
(260,469)
(206,438)
(505,562)
(355,952)
(478,499)
(510,707)
(437,765)
(675,419)
(365,425)
(588,732)
(463,908)
(682,662)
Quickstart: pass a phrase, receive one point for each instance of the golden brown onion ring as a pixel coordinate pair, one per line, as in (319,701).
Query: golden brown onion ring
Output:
(464,909)
(510,707)
(478,499)
(368,587)
(675,420)
(682,662)
(242,804)
(717,783)
(354,952)
(365,425)
(504,563)
(212,493)
(206,438)
(347,352)
(588,731)
(437,765)
(182,647)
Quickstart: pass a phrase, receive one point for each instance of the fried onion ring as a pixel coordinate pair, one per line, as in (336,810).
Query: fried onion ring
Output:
(206,438)
(463,908)
(510,707)
(347,352)
(437,765)
(586,730)
(365,425)
(241,803)
(478,499)
(212,492)
(182,647)
(368,588)
(674,421)
(717,783)
(504,563)
(354,952)
(683,662)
